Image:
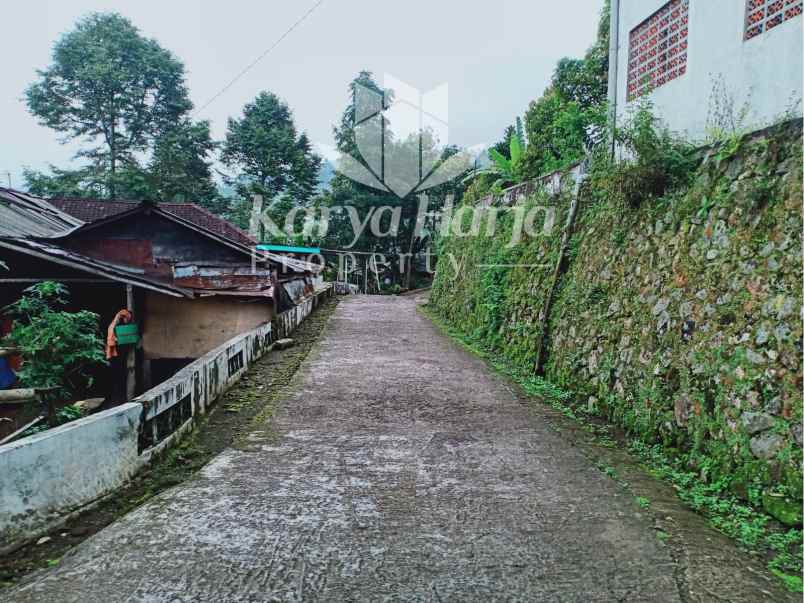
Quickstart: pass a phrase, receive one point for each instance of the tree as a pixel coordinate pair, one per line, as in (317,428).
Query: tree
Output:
(180,169)
(559,132)
(114,89)
(63,183)
(131,182)
(566,121)
(366,200)
(268,156)
(504,146)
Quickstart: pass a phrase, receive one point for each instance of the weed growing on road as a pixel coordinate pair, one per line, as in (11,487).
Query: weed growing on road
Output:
(726,512)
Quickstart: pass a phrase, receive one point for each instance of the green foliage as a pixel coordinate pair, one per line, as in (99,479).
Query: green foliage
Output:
(267,154)
(610,471)
(180,168)
(745,523)
(478,188)
(113,89)
(569,119)
(66,414)
(508,167)
(560,133)
(503,147)
(58,347)
(724,121)
(656,162)
(83,182)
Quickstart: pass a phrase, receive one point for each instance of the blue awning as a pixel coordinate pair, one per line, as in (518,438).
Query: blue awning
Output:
(288,249)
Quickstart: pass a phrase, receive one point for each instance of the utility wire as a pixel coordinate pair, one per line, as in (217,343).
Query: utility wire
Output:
(261,57)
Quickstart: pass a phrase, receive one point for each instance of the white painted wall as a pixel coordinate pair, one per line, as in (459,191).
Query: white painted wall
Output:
(765,71)
(47,475)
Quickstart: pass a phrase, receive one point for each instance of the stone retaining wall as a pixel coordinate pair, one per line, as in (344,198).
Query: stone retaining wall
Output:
(680,319)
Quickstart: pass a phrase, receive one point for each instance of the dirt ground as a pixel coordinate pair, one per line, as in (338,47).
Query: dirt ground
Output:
(396,466)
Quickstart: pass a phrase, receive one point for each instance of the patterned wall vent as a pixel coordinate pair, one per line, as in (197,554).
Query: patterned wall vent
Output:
(657,49)
(763,15)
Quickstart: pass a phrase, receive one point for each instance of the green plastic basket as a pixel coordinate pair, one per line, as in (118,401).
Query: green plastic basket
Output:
(127,334)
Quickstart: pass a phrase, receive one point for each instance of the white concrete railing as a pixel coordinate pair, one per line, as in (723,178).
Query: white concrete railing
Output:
(550,183)
(47,477)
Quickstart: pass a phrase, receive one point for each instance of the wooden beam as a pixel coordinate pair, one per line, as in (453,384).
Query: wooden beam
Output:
(17,396)
(94,281)
(544,315)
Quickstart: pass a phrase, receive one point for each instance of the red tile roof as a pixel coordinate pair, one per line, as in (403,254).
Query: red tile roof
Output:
(90,210)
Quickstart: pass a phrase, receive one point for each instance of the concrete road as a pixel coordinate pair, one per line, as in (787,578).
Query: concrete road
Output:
(399,469)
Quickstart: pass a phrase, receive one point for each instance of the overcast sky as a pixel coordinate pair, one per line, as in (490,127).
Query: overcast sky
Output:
(494,56)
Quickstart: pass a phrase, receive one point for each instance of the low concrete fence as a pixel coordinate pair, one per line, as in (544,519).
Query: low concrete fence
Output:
(46,477)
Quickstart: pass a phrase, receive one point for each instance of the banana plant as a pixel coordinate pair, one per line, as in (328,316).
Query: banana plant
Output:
(506,170)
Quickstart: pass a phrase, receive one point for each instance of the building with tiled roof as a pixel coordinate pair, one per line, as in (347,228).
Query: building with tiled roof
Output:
(92,210)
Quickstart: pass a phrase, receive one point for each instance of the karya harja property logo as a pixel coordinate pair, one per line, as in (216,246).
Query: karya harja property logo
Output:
(400,146)
(401,136)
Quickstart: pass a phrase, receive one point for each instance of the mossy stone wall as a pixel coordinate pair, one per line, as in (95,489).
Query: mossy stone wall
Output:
(680,320)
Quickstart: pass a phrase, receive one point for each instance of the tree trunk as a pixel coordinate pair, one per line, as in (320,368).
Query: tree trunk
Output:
(113,157)
(113,168)
(409,258)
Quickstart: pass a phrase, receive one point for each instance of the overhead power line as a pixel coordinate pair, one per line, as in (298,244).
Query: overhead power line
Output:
(251,65)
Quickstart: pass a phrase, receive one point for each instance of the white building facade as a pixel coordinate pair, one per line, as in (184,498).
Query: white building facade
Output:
(703,62)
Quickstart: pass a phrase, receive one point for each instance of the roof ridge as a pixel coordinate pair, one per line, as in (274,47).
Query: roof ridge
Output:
(210,214)
(95,209)
(95,200)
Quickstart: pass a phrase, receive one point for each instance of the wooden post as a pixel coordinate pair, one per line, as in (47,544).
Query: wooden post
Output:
(365,277)
(131,355)
(544,317)
(146,374)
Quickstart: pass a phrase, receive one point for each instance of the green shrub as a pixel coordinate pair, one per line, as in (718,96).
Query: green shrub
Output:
(58,347)
(655,161)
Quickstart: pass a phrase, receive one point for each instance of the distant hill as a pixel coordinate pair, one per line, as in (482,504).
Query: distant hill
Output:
(325,176)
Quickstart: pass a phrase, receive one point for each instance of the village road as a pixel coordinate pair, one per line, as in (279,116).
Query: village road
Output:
(399,468)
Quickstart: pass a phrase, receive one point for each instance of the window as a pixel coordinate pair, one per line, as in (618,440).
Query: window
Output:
(658,49)
(762,15)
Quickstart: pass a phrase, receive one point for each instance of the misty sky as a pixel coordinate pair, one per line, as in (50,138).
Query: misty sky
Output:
(494,56)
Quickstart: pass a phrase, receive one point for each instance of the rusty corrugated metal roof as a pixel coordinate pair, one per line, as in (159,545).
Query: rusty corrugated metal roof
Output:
(23,215)
(71,259)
